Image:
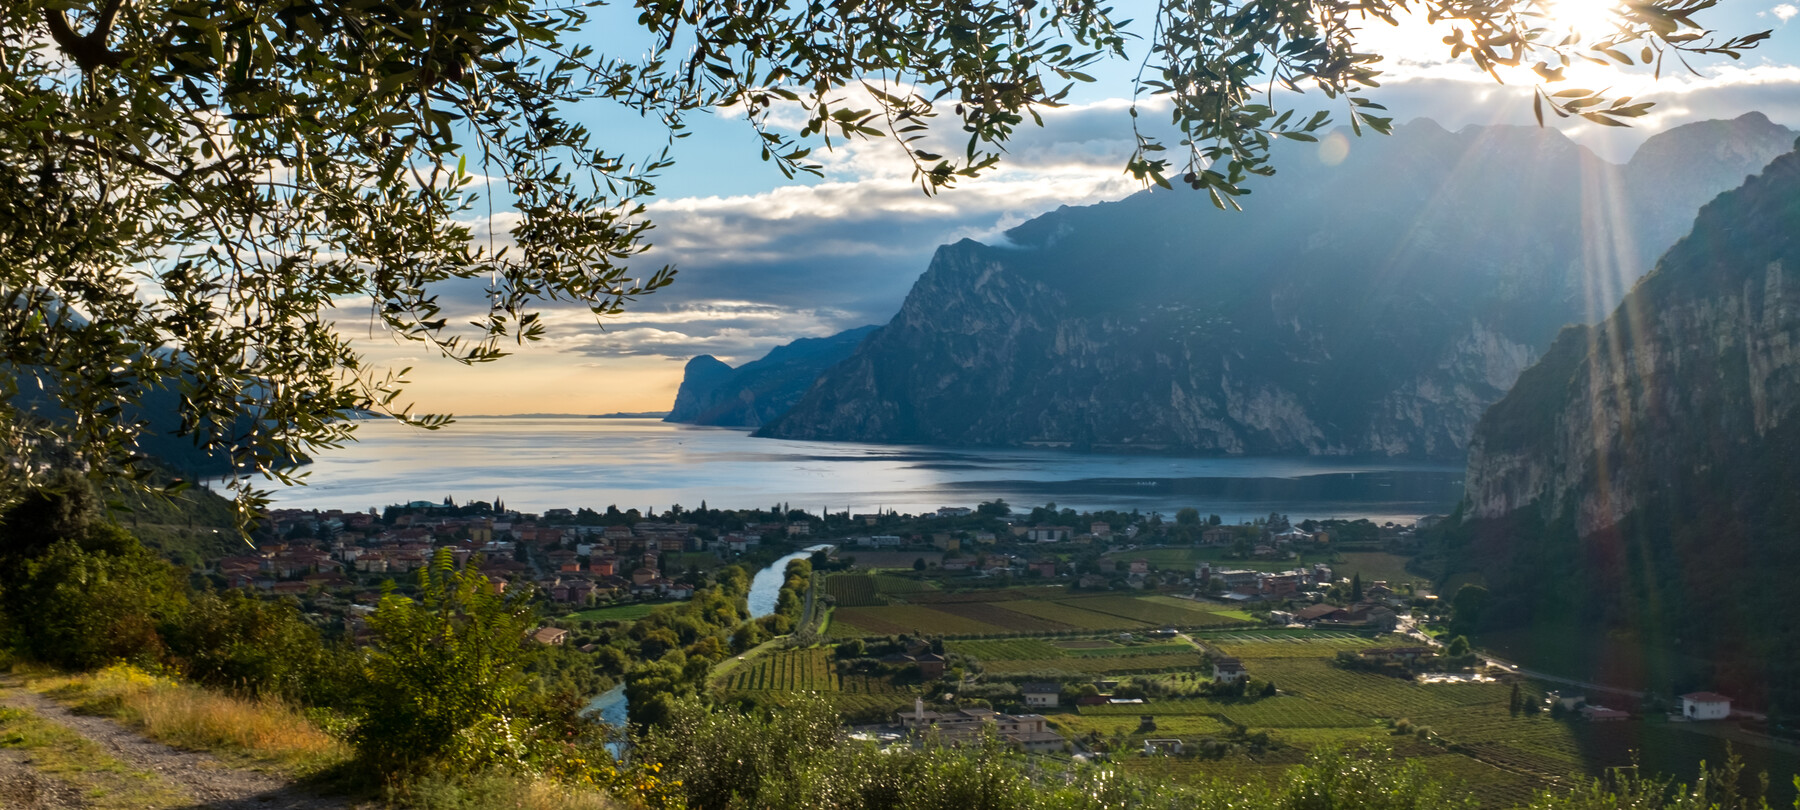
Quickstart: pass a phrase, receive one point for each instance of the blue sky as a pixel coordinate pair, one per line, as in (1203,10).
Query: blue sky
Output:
(764,259)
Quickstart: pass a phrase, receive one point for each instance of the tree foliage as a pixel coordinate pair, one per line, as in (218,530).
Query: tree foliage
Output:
(445,681)
(211,197)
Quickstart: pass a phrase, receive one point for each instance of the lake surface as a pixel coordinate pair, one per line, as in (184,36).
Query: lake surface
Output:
(537,464)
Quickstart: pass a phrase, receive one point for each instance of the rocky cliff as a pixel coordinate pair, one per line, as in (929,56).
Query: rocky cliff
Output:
(713,393)
(1375,305)
(1641,479)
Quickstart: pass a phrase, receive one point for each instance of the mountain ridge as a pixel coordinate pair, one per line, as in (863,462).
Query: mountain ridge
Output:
(1304,325)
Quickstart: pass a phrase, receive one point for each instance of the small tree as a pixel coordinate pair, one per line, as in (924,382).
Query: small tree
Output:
(440,669)
(919,564)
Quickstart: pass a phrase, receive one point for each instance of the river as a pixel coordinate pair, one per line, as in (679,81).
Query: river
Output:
(612,705)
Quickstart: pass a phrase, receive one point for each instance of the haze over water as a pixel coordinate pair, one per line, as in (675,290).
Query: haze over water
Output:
(542,463)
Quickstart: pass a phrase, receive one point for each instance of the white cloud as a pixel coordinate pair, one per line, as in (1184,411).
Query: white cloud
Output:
(1785,12)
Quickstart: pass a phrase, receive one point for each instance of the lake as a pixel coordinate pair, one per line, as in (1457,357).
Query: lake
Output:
(535,464)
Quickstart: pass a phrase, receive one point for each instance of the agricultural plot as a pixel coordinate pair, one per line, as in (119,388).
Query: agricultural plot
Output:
(786,671)
(1158,708)
(1367,693)
(1011,649)
(1023,593)
(890,584)
(1289,711)
(853,590)
(895,619)
(1009,621)
(1101,665)
(1152,610)
(1120,650)
(1251,646)
(1072,618)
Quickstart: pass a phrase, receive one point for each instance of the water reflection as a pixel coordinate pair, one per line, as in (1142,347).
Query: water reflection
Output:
(537,464)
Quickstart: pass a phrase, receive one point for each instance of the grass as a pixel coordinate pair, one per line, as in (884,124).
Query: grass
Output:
(1374,565)
(104,781)
(264,732)
(499,790)
(619,613)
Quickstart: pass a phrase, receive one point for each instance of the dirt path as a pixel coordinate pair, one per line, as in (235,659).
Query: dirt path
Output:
(211,784)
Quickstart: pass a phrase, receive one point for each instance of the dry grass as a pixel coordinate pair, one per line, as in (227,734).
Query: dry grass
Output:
(266,731)
(105,782)
(501,792)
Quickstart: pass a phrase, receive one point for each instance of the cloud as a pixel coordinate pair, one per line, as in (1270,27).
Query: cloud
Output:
(1785,12)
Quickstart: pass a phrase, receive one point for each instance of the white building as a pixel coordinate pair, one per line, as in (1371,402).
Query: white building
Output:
(1705,706)
(1041,694)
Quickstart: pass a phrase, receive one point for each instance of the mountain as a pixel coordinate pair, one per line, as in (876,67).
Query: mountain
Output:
(1639,487)
(1375,305)
(713,393)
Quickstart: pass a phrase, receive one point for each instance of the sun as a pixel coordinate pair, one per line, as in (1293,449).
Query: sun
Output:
(1591,19)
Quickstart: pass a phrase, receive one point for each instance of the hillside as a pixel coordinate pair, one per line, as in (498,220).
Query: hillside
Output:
(1638,484)
(1373,307)
(713,393)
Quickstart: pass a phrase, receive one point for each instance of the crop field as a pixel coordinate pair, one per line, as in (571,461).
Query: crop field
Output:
(1010,649)
(1249,647)
(1370,694)
(853,590)
(1010,621)
(1287,711)
(1152,610)
(1071,617)
(895,619)
(1027,592)
(1186,726)
(1094,665)
(1158,708)
(801,671)
(888,583)
(786,671)
(1374,565)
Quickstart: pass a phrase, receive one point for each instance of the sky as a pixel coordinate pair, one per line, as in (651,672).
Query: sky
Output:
(763,260)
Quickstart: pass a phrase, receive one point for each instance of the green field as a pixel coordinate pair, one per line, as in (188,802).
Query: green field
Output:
(1372,566)
(1095,665)
(619,613)
(880,605)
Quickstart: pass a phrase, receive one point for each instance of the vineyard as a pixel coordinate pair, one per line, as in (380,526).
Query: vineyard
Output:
(1027,649)
(1248,646)
(1154,610)
(1072,618)
(853,590)
(1292,712)
(1096,665)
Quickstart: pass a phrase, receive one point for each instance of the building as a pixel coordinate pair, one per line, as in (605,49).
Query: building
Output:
(931,666)
(1705,706)
(954,511)
(1027,731)
(1043,694)
(1050,534)
(1228,670)
(551,635)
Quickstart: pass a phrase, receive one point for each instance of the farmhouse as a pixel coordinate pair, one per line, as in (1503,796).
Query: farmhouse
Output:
(550,635)
(1228,670)
(1705,706)
(1028,731)
(1041,694)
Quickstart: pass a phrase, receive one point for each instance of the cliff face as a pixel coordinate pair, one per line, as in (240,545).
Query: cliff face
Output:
(1640,481)
(1376,306)
(713,393)
(1699,362)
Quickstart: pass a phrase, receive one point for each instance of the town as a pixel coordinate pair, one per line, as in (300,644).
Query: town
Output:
(1170,643)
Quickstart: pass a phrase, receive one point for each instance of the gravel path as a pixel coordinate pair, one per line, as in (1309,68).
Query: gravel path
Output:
(212,784)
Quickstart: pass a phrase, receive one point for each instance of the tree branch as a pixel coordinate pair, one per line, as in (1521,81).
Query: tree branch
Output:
(89,52)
